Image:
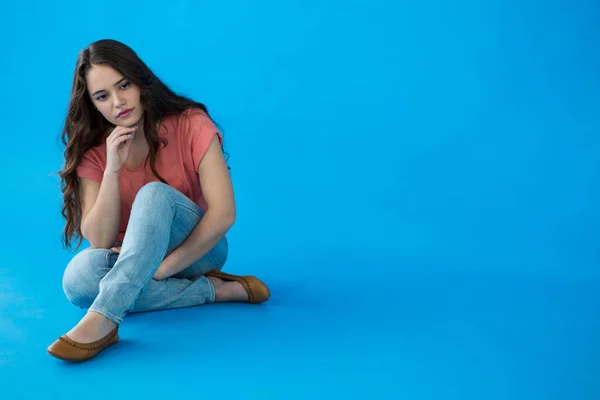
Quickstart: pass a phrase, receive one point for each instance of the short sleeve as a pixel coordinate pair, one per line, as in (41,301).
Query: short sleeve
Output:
(91,166)
(199,132)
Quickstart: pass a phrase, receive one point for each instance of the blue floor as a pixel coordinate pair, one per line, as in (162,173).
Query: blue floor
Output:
(378,334)
(417,182)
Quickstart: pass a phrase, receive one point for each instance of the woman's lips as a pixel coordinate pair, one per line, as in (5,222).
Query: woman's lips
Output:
(124,114)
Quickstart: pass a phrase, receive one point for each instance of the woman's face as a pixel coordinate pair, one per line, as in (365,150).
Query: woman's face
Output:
(117,99)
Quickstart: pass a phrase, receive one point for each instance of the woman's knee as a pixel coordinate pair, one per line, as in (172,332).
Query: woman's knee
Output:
(83,274)
(153,198)
(154,192)
(219,253)
(216,257)
(213,260)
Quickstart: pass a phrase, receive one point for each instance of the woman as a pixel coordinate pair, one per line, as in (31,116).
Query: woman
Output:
(146,183)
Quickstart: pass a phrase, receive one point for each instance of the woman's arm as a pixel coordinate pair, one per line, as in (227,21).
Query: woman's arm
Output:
(218,219)
(101,210)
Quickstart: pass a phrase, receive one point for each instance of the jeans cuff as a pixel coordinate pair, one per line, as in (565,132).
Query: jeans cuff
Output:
(107,314)
(211,290)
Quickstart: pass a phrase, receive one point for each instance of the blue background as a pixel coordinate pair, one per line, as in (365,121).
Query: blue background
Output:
(418,182)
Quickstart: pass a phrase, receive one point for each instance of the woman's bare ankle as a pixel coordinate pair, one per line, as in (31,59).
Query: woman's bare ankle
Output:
(91,327)
(217,282)
(228,291)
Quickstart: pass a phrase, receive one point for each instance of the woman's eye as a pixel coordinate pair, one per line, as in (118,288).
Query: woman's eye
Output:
(101,97)
(125,85)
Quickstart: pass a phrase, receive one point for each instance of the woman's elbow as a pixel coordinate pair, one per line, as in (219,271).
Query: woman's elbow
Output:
(228,217)
(95,242)
(99,244)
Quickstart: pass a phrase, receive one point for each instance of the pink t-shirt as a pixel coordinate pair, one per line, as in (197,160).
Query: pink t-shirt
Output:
(188,134)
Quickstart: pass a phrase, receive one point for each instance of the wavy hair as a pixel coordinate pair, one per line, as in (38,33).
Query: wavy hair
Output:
(84,126)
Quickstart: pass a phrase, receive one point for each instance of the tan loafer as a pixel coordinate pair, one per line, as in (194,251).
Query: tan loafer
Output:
(69,350)
(257,291)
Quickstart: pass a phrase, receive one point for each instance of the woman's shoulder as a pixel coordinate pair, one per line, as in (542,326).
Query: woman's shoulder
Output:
(188,119)
(194,114)
(98,149)
(94,157)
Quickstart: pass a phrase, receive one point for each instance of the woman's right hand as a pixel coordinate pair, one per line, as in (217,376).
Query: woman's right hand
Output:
(118,144)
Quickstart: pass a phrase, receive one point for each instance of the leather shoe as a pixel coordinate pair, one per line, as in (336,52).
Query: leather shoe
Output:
(67,349)
(257,291)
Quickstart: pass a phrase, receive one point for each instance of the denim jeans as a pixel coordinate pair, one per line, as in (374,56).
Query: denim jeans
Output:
(114,284)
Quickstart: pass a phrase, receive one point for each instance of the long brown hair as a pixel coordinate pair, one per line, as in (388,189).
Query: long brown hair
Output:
(84,125)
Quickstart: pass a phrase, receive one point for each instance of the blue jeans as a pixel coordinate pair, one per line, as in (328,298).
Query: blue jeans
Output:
(114,284)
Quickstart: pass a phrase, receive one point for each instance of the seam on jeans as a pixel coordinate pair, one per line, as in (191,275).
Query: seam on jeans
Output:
(168,190)
(219,266)
(189,209)
(106,260)
(174,203)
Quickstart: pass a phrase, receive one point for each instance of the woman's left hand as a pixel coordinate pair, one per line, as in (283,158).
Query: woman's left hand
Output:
(161,273)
